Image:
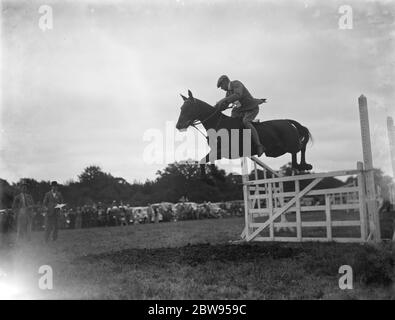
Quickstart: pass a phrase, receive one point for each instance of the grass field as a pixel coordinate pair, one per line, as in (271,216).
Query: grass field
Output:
(192,260)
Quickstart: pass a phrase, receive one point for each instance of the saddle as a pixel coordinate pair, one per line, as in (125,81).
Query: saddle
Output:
(254,122)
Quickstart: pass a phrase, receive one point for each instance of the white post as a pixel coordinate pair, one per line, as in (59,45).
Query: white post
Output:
(271,209)
(328,217)
(374,221)
(298,212)
(244,172)
(257,192)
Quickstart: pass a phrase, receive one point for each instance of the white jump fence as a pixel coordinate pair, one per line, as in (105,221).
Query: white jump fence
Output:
(299,208)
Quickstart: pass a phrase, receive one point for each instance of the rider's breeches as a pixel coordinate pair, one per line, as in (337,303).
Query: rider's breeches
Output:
(246,115)
(247,118)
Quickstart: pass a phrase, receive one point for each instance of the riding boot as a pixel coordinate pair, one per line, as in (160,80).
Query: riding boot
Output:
(255,138)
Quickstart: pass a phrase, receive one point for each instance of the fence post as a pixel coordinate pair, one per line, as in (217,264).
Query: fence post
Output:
(271,209)
(328,217)
(391,139)
(362,202)
(298,212)
(374,221)
(244,172)
(257,192)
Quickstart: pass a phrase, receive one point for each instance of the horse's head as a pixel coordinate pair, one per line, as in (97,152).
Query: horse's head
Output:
(189,112)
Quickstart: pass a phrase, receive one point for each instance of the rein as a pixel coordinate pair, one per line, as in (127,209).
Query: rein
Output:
(193,125)
(197,122)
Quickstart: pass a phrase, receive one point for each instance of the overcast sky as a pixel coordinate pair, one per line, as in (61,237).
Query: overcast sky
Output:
(88,90)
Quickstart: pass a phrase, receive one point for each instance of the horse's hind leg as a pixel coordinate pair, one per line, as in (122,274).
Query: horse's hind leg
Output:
(295,165)
(303,165)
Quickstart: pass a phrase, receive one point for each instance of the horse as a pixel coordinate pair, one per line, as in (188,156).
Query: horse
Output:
(278,136)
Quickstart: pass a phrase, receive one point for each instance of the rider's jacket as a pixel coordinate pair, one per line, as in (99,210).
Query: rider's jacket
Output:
(238,92)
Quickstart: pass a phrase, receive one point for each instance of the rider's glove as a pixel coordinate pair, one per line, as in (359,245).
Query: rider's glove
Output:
(221,105)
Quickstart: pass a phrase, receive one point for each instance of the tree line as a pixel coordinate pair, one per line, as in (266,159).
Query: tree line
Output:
(176,181)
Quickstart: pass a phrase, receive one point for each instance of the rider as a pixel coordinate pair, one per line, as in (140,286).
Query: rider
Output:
(247,108)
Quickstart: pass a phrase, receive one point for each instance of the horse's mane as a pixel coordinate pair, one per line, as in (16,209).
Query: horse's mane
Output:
(204,103)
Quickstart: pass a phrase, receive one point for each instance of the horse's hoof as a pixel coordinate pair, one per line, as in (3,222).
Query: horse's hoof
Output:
(305,167)
(296,168)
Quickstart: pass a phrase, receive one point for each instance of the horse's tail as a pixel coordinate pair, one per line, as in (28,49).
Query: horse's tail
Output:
(303,131)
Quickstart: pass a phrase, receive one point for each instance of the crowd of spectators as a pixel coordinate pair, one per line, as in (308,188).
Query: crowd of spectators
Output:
(101,215)
(89,216)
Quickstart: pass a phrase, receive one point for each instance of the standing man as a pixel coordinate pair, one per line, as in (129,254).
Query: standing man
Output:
(6,225)
(51,199)
(150,213)
(23,210)
(247,107)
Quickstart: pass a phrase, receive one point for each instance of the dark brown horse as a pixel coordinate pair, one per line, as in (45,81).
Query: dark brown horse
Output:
(278,136)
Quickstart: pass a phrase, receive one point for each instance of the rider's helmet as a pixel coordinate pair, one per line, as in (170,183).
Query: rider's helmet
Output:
(222,78)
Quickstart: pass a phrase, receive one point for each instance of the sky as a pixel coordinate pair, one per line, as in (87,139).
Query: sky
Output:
(100,85)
